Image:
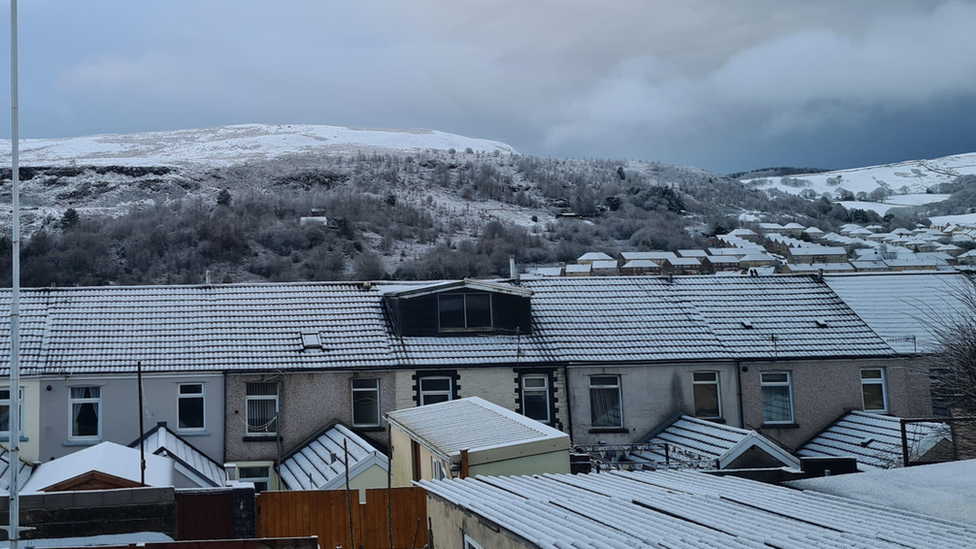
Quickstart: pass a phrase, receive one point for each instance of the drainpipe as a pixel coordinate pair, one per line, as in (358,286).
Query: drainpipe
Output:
(738,391)
(569,402)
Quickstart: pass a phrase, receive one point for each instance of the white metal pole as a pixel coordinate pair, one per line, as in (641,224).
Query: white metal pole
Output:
(14,534)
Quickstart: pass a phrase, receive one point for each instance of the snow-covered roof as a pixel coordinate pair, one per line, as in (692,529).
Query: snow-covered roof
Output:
(320,464)
(694,438)
(692,253)
(905,309)
(23,472)
(724,259)
(818,250)
(817,267)
(104,540)
(549,271)
(605,265)
(107,458)
(813,230)
(630,256)
(594,256)
(874,439)
(584,268)
(642,264)
(687,509)
(192,463)
(684,261)
(943,490)
(470,424)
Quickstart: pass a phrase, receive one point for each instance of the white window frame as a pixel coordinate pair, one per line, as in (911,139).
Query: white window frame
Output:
(449,392)
(375,390)
(464,308)
(202,395)
(718,392)
(470,543)
(247,408)
(882,381)
(265,479)
(97,401)
(544,389)
(620,399)
(6,402)
(789,385)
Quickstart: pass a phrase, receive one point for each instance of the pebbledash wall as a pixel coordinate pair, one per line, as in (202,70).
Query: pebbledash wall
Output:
(119,410)
(823,390)
(307,402)
(650,394)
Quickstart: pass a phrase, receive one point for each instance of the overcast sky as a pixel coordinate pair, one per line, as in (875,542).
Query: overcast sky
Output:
(723,85)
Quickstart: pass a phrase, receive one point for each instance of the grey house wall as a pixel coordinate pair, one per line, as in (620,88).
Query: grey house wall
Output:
(120,410)
(651,394)
(824,390)
(307,402)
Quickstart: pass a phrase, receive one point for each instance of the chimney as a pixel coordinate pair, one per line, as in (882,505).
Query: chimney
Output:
(820,274)
(512,272)
(206,276)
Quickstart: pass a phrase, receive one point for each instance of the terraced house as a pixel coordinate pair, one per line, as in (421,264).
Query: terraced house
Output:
(247,373)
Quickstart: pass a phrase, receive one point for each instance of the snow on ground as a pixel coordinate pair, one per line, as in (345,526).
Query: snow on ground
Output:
(944,490)
(94,541)
(228,145)
(916,175)
(965,219)
(896,201)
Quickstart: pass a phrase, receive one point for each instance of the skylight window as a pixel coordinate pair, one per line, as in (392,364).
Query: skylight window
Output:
(310,340)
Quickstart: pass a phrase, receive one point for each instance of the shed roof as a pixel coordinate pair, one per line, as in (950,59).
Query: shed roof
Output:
(687,509)
(193,463)
(105,457)
(874,439)
(23,472)
(311,466)
(594,256)
(469,424)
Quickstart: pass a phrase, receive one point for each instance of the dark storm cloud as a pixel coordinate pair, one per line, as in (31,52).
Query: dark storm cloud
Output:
(723,85)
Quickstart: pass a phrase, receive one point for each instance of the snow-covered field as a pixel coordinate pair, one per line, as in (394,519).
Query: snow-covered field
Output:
(915,176)
(896,201)
(965,219)
(228,145)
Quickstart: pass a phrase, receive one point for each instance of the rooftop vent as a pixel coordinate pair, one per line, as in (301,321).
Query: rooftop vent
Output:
(747,325)
(821,322)
(310,340)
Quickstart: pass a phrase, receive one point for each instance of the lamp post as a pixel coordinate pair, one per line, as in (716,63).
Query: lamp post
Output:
(14,492)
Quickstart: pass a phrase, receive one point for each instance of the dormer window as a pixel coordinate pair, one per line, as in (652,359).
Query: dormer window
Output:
(464,311)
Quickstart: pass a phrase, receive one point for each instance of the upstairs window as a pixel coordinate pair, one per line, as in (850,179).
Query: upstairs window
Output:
(190,407)
(535,397)
(464,311)
(85,404)
(777,397)
(5,411)
(365,402)
(606,409)
(708,403)
(874,398)
(434,389)
(262,408)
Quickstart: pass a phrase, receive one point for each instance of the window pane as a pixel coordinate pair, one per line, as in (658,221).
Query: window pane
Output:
(775,377)
(873,396)
(435,384)
(478,310)
(5,394)
(705,376)
(365,383)
(86,392)
(261,416)
(603,380)
(191,413)
(535,405)
(84,420)
(870,374)
(706,401)
(451,309)
(4,417)
(365,408)
(191,389)
(534,382)
(434,399)
(605,407)
(776,404)
(262,389)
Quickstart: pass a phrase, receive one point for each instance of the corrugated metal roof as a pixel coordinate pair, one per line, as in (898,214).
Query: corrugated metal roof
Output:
(23,472)
(469,424)
(312,467)
(163,442)
(704,438)
(689,510)
(873,439)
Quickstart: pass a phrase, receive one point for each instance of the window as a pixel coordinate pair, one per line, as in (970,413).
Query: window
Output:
(464,311)
(535,397)
(366,402)
(470,543)
(605,407)
(190,406)
(262,408)
(260,476)
(437,471)
(708,402)
(777,397)
(85,404)
(5,411)
(434,389)
(873,394)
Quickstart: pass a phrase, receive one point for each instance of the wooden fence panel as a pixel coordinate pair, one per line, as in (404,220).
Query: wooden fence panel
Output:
(324,513)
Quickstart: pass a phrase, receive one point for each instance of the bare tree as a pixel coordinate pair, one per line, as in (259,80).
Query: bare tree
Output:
(955,336)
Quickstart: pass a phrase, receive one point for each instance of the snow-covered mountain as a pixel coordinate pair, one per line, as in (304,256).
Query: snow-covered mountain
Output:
(226,145)
(909,177)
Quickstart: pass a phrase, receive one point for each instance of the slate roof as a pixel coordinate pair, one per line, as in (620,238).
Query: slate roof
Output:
(690,438)
(874,440)
(311,467)
(259,327)
(900,306)
(161,441)
(469,424)
(687,509)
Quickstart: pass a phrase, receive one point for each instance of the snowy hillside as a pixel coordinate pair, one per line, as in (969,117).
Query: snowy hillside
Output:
(228,145)
(908,181)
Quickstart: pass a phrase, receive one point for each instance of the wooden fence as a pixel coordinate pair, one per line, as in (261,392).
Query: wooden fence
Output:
(324,513)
